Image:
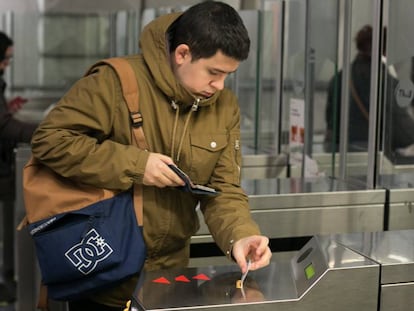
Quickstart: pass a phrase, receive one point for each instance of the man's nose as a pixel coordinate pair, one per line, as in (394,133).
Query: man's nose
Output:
(218,84)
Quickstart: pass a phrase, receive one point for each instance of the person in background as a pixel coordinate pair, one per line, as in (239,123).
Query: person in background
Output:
(396,126)
(359,84)
(12,131)
(189,119)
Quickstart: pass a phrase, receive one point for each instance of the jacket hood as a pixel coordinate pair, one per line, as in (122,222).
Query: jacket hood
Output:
(154,47)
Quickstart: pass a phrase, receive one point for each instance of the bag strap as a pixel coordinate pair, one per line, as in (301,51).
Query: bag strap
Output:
(358,100)
(130,93)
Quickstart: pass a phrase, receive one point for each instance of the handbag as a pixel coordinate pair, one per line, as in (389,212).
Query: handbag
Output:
(86,238)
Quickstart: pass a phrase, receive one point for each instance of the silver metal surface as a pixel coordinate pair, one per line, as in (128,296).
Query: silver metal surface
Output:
(401,186)
(264,166)
(346,73)
(305,207)
(308,192)
(397,297)
(401,200)
(401,215)
(393,250)
(374,99)
(283,286)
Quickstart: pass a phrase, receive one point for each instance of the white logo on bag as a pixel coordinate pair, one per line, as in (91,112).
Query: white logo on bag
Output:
(86,255)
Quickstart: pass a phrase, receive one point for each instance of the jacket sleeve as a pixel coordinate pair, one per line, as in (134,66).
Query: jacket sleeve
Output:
(228,214)
(87,135)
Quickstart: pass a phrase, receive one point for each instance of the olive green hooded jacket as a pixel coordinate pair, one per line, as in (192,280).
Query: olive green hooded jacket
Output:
(87,137)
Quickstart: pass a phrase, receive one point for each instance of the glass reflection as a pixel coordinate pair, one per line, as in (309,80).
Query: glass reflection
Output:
(398,141)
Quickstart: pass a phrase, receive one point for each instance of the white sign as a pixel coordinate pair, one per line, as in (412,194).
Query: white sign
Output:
(297,122)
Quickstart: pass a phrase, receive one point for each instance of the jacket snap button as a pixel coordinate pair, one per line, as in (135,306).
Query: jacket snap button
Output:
(213,144)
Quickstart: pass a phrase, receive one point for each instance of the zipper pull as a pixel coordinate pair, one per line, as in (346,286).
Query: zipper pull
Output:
(194,107)
(173,104)
(237,145)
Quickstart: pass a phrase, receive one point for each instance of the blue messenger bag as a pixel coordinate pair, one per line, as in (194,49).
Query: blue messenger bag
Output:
(90,249)
(86,238)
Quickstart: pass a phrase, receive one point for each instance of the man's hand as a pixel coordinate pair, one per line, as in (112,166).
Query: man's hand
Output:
(157,173)
(16,104)
(255,248)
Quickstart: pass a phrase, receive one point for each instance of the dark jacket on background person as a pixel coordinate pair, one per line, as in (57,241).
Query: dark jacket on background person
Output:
(12,131)
(206,146)
(395,122)
(358,122)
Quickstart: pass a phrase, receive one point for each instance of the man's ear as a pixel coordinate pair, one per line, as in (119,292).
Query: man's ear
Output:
(182,54)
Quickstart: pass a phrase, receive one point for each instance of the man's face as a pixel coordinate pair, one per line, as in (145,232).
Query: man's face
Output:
(204,76)
(6,61)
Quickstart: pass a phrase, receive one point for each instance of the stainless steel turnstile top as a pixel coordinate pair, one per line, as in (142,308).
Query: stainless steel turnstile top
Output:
(393,250)
(400,186)
(322,274)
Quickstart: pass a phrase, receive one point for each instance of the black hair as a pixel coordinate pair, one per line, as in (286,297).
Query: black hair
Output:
(208,27)
(363,40)
(5,43)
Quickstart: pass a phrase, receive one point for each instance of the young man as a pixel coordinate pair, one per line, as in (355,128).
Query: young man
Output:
(189,119)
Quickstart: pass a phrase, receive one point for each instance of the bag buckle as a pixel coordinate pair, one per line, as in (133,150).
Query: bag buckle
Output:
(136,118)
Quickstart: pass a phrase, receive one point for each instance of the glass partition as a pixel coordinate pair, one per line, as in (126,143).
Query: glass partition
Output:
(311,37)
(347,114)
(398,116)
(289,88)
(54,49)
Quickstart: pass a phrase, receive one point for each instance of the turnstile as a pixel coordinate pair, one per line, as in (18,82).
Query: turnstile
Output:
(371,271)
(394,252)
(323,275)
(399,213)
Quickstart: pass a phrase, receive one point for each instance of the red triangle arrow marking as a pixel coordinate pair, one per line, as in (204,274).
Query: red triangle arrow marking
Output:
(182,278)
(161,280)
(201,276)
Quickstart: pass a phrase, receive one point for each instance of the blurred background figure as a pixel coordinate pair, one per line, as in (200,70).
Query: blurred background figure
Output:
(399,126)
(12,131)
(360,79)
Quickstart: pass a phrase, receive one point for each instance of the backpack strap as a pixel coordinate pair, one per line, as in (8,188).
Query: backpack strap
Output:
(358,100)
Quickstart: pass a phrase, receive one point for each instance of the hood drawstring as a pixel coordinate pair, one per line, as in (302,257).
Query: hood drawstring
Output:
(194,107)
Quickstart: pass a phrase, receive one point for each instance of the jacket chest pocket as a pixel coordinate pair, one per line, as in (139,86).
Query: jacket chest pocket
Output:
(206,149)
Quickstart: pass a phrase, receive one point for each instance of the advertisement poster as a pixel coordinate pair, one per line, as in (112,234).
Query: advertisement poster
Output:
(297,123)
